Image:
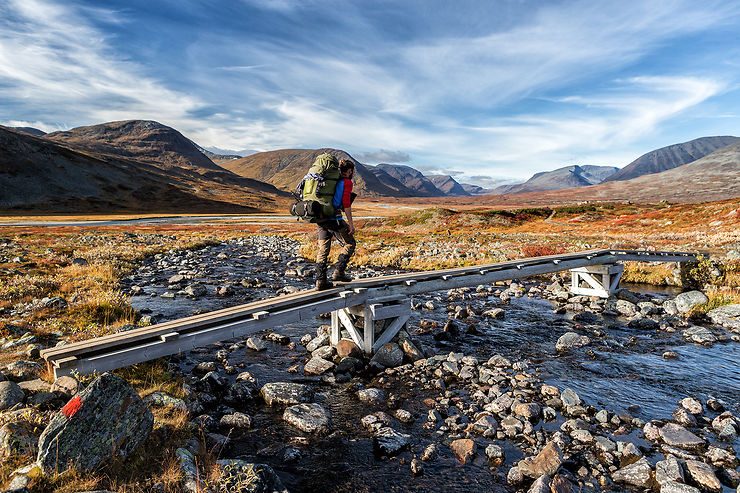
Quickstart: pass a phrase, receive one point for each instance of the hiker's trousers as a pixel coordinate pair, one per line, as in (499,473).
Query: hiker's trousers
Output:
(327,231)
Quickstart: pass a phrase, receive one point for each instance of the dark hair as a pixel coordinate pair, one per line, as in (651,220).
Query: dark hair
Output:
(345,164)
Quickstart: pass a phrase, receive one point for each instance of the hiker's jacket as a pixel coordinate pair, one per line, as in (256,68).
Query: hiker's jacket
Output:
(342,196)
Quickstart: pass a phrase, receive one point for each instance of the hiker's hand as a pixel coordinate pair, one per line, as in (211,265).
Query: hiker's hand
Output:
(351,229)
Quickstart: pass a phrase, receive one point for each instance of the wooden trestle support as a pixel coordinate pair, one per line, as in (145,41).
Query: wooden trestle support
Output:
(383,317)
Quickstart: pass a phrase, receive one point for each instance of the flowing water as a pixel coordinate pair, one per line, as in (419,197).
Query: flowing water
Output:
(622,370)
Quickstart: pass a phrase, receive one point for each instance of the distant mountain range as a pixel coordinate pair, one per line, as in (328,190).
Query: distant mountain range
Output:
(672,156)
(144,165)
(567,177)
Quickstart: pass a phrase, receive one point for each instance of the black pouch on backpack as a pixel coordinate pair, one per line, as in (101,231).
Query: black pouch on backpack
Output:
(309,210)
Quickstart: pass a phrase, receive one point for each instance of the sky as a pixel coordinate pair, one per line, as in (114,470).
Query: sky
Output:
(481,90)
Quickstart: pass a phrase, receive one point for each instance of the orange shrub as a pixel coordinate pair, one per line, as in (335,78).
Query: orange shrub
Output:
(541,250)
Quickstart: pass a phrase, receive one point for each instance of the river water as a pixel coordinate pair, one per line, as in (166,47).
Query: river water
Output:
(622,370)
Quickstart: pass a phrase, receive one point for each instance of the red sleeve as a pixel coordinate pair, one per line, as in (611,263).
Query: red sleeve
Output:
(347,195)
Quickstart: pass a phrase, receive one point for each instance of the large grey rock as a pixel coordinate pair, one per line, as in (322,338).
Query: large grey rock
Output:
(307,417)
(668,470)
(372,396)
(570,398)
(10,395)
(636,474)
(106,419)
(677,436)
(242,476)
(317,342)
(318,366)
(388,356)
(676,487)
(626,308)
(195,290)
(699,335)
(541,485)
(686,301)
(571,340)
(389,442)
(286,393)
(726,316)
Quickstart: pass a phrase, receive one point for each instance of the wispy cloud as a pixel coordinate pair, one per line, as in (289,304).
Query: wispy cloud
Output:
(543,86)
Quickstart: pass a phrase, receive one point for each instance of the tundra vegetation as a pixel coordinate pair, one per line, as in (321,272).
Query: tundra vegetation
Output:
(83,267)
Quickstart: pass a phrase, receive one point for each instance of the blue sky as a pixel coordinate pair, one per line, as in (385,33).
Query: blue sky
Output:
(476,89)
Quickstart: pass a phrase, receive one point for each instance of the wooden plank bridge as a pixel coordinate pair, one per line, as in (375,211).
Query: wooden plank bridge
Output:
(379,301)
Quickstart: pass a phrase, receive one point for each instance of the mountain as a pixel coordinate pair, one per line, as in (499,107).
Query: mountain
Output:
(475,189)
(286,168)
(713,177)
(30,130)
(145,141)
(448,185)
(390,181)
(566,177)
(414,180)
(45,176)
(216,158)
(672,156)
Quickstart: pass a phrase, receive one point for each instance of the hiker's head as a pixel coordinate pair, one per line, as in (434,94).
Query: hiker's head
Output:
(346,167)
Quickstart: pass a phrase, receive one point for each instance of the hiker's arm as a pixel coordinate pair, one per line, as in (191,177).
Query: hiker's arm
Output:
(351,223)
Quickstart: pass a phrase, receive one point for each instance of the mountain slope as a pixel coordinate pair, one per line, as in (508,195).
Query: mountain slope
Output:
(286,168)
(38,174)
(145,141)
(30,130)
(672,156)
(390,181)
(713,177)
(414,180)
(566,177)
(448,185)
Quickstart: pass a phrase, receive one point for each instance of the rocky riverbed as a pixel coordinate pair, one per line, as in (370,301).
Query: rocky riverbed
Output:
(517,387)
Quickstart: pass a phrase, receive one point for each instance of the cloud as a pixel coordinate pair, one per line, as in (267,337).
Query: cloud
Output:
(538,86)
(51,57)
(383,156)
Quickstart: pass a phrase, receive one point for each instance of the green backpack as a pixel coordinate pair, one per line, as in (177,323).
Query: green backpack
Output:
(317,189)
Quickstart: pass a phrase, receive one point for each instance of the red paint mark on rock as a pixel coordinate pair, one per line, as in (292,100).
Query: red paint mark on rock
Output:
(72,407)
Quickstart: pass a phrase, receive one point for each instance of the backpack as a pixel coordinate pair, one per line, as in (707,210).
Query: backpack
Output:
(316,190)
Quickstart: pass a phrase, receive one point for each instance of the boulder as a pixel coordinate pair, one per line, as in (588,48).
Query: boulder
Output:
(726,316)
(571,340)
(677,436)
(636,474)
(307,417)
(106,419)
(570,398)
(317,366)
(699,335)
(703,475)
(668,470)
(541,485)
(240,475)
(626,308)
(10,395)
(463,449)
(389,442)
(162,399)
(686,301)
(388,356)
(317,342)
(372,396)
(236,420)
(676,487)
(277,393)
(256,344)
(546,462)
(346,348)
(17,438)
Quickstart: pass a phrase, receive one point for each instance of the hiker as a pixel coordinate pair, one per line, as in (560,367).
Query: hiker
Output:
(336,226)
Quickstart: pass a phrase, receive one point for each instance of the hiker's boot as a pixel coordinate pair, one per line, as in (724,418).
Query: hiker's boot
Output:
(339,268)
(321,282)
